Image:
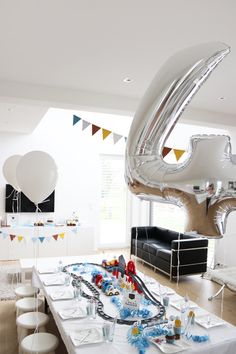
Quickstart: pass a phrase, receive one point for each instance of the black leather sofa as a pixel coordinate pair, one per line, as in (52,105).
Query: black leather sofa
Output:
(172,253)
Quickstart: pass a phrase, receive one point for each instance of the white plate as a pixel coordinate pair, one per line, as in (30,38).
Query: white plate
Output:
(72,312)
(86,336)
(54,281)
(178,346)
(62,295)
(177,304)
(209,321)
(47,270)
(156,290)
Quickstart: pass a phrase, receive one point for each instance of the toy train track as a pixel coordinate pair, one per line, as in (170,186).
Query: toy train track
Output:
(100,307)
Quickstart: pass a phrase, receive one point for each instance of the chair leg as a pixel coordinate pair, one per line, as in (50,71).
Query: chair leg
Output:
(23,332)
(42,329)
(217,293)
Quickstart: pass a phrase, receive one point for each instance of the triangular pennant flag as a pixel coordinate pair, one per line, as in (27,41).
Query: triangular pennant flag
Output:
(74,230)
(34,239)
(105,133)
(62,235)
(4,235)
(12,237)
(20,238)
(76,119)
(95,129)
(85,124)
(178,153)
(41,239)
(48,238)
(166,151)
(55,237)
(116,137)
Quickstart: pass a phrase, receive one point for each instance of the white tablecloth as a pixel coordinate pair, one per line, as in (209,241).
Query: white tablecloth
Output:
(222,338)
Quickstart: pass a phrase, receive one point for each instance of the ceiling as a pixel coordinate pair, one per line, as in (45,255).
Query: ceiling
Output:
(76,53)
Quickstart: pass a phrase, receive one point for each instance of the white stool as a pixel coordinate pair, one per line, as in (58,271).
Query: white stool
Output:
(28,304)
(39,343)
(30,321)
(26,291)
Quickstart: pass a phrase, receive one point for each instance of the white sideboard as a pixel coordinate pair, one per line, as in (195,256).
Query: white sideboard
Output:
(25,241)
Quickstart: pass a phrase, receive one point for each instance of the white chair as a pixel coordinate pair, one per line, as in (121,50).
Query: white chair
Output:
(26,291)
(30,321)
(28,304)
(39,343)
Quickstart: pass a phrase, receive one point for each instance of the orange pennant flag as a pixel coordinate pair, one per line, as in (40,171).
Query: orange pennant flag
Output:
(62,235)
(55,237)
(95,129)
(165,151)
(105,133)
(20,238)
(178,153)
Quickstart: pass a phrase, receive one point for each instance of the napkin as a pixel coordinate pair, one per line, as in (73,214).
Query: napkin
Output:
(177,304)
(69,313)
(47,270)
(54,281)
(86,336)
(62,295)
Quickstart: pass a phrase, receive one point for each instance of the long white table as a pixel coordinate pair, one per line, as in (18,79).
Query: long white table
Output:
(222,338)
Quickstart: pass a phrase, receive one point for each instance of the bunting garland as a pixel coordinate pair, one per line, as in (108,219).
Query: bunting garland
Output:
(34,239)
(116,137)
(177,152)
(96,128)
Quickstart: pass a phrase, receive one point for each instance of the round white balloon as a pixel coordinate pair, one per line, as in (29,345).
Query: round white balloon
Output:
(37,175)
(9,170)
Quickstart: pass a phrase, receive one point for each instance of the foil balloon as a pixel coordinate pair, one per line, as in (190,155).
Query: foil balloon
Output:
(200,183)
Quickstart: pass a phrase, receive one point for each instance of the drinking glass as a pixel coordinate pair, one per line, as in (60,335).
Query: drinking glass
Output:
(77,293)
(108,331)
(67,280)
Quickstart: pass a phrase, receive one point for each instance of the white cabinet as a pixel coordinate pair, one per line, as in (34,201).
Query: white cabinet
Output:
(26,242)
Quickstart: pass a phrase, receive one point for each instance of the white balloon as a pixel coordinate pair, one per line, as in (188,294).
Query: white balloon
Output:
(37,175)
(9,170)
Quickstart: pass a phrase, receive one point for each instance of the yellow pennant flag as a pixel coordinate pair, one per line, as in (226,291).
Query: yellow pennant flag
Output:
(62,235)
(105,133)
(178,153)
(20,238)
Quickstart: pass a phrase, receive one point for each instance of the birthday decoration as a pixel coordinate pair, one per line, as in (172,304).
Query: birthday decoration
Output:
(137,338)
(116,137)
(34,239)
(112,277)
(96,128)
(199,184)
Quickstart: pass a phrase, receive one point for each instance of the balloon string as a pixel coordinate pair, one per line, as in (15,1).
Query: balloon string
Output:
(136,243)
(36,253)
(37,210)
(178,262)
(13,190)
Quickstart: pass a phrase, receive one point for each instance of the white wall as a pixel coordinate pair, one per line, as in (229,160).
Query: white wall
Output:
(76,153)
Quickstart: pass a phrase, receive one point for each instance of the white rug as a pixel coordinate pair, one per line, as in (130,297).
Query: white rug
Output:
(9,280)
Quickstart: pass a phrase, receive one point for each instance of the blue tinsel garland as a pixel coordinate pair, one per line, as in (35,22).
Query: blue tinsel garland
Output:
(127,312)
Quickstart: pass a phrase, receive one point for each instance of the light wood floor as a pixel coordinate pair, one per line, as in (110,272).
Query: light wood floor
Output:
(197,288)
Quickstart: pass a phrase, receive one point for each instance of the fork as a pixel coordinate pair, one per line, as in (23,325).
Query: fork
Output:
(84,337)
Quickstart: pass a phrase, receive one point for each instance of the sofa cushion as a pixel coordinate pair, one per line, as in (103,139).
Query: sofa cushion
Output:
(154,247)
(164,254)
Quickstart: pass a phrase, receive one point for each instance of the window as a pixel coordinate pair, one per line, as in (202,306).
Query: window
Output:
(168,216)
(112,201)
